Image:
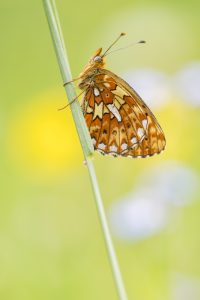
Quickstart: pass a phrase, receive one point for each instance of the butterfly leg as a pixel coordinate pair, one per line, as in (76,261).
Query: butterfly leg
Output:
(71,81)
(71,101)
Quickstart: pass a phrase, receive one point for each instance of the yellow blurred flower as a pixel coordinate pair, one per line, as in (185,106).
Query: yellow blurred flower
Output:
(42,139)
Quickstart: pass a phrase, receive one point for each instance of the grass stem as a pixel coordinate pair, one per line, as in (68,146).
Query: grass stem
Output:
(85,140)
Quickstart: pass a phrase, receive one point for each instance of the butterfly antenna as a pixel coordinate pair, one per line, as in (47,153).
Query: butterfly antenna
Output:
(122,34)
(139,42)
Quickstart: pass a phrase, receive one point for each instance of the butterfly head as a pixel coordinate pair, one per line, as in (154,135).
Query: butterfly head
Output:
(97,59)
(95,62)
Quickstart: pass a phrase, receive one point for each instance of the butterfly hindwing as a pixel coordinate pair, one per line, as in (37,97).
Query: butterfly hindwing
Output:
(119,121)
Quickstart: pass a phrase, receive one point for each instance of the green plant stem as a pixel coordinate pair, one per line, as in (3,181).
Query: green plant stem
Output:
(84,137)
(56,34)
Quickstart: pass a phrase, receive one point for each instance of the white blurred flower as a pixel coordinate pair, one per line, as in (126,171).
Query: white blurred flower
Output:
(153,86)
(187,83)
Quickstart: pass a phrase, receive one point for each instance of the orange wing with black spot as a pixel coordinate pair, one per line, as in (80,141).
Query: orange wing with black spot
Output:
(119,122)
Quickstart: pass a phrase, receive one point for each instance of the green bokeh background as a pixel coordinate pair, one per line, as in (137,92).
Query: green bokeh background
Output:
(51,245)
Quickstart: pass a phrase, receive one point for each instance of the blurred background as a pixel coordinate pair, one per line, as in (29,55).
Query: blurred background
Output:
(51,245)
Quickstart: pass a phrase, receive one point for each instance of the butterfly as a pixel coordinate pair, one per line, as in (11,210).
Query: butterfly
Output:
(119,122)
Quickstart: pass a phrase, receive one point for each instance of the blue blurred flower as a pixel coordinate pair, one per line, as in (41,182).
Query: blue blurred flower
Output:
(153,86)
(187,83)
(170,181)
(135,218)
(146,210)
(184,287)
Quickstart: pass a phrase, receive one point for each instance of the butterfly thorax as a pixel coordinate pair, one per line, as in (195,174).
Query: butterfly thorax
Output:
(95,63)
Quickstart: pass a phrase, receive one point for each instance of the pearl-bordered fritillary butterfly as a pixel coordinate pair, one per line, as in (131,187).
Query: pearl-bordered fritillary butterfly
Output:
(119,122)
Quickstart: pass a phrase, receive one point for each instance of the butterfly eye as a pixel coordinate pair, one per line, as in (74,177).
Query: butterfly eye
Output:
(98,58)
